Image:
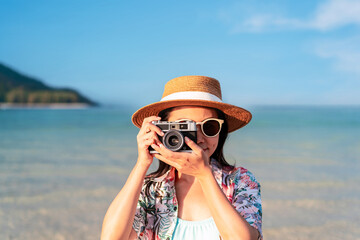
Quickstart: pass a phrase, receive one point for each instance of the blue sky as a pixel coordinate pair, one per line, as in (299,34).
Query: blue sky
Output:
(123,52)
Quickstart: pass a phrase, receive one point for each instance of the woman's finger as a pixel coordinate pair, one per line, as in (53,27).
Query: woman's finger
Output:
(146,122)
(148,142)
(178,157)
(156,147)
(165,152)
(150,119)
(167,161)
(152,135)
(196,148)
(157,130)
(148,139)
(149,135)
(149,127)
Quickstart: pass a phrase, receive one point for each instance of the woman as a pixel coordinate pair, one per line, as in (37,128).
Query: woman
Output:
(192,195)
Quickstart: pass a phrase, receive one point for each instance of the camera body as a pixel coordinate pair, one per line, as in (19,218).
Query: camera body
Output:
(174,135)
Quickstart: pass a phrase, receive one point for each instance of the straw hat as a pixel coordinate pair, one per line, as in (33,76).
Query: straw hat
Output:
(194,91)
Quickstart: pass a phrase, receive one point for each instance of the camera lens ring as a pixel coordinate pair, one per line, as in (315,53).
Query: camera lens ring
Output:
(173,140)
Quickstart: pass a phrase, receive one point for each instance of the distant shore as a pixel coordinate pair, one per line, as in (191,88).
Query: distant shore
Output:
(4,106)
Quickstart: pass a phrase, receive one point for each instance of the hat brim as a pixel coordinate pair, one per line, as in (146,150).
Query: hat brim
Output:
(236,117)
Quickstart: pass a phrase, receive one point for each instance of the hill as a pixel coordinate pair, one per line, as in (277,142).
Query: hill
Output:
(16,88)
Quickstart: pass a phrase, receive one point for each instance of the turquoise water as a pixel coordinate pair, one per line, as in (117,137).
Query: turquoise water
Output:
(60,169)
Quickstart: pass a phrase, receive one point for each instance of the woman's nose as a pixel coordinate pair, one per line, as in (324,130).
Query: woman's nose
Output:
(200,136)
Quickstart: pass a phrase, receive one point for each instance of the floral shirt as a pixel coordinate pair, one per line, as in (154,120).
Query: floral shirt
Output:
(156,212)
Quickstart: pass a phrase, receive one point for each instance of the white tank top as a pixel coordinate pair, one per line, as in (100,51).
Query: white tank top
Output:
(196,230)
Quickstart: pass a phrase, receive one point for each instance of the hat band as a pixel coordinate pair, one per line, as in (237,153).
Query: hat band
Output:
(191,95)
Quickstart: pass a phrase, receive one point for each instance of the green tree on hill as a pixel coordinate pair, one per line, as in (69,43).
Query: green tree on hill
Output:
(18,88)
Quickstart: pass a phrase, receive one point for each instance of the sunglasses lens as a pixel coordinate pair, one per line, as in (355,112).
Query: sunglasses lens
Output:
(211,127)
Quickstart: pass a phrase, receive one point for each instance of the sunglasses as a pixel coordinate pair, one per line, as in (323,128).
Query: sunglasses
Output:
(210,127)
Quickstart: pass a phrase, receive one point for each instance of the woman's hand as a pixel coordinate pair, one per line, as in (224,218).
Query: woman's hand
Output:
(195,163)
(147,135)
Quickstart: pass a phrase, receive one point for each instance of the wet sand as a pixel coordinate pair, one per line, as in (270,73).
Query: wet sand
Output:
(72,206)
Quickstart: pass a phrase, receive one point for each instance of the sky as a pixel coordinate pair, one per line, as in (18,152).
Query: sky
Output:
(123,52)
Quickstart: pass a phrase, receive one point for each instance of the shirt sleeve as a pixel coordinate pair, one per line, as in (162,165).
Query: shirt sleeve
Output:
(143,215)
(247,199)
(140,214)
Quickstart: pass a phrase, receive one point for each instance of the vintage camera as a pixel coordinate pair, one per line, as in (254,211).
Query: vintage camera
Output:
(175,133)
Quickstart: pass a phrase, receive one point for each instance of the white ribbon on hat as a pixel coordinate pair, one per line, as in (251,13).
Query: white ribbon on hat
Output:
(191,95)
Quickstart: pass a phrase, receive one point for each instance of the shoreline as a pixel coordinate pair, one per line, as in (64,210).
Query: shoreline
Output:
(9,106)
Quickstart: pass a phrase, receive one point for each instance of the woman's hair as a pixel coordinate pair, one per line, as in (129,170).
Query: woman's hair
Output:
(218,155)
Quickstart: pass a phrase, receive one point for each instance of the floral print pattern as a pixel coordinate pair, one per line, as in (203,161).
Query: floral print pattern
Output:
(156,212)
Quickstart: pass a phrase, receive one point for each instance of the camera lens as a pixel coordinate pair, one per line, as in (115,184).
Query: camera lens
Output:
(173,140)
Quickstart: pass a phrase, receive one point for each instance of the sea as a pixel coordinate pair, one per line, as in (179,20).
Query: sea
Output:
(60,169)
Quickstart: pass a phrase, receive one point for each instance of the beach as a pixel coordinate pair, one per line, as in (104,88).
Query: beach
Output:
(60,169)
(31,106)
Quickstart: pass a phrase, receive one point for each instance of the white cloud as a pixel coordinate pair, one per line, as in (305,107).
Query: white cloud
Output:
(327,16)
(345,53)
(259,23)
(336,13)
(330,15)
